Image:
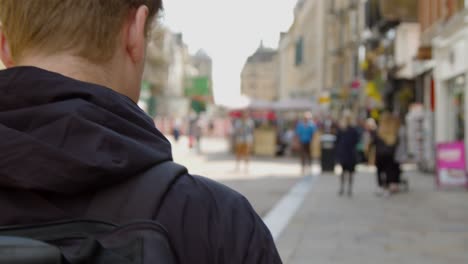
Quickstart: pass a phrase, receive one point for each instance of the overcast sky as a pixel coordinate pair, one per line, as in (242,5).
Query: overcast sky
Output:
(229,31)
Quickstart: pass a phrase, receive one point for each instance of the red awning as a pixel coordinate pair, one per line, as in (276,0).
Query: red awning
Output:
(269,115)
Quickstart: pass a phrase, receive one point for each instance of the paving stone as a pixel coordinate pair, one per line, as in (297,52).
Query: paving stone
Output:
(421,226)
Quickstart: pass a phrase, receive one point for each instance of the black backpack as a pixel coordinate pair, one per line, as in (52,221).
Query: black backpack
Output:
(100,242)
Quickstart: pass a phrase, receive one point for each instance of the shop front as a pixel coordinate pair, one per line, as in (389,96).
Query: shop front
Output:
(451,86)
(424,151)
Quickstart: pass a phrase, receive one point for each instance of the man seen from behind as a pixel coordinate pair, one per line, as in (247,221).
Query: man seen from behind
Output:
(71,130)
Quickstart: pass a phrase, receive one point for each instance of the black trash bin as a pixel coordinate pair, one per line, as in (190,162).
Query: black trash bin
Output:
(327,146)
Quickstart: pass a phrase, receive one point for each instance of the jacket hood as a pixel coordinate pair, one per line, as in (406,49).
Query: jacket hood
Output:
(68,137)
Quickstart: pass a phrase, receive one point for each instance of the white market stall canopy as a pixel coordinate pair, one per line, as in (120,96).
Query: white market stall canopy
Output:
(246,103)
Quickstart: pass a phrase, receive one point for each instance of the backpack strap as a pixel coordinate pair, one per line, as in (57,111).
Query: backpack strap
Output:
(138,199)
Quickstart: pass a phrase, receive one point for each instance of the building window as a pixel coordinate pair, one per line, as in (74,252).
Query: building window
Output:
(299,59)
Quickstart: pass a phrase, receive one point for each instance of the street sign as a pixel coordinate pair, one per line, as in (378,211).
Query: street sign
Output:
(356,84)
(198,86)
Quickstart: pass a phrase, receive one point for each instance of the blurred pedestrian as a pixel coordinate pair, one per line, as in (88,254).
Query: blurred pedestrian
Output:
(329,126)
(402,156)
(198,134)
(385,142)
(288,140)
(243,132)
(367,138)
(211,128)
(192,130)
(176,130)
(361,128)
(305,131)
(347,155)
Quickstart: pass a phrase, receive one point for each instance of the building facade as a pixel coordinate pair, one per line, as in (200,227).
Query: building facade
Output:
(432,15)
(301,53)
(391,42)
(259,75)
(344,29)
(156,71)
(203,63)
(286,76)
(415,59)
(199,82)
(450,50)
(164,76)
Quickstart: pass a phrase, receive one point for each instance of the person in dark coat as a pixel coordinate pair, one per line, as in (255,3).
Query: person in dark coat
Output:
(347,155)
(71,131)
(386,142)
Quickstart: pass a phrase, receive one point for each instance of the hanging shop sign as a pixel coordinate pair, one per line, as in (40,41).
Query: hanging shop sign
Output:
(324,100)
(451,166)
(373,92)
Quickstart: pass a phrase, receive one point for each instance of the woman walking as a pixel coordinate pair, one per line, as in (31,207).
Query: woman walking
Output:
(386,141)
(347,141)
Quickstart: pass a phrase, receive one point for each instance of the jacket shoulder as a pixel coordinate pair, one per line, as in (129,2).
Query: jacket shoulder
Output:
(201,191)
(206,220)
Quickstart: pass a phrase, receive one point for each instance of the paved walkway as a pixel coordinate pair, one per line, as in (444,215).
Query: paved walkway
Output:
(422,226)
(268,180)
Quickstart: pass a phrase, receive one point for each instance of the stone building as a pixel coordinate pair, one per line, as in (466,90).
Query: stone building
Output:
(199,82)
(259,75)
(302,53)
(166,67)
(344,28)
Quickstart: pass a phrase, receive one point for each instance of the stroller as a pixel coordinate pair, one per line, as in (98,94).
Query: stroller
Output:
(396,178)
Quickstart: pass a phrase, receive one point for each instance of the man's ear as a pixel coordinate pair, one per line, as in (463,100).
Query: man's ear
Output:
(5,51)
(135,39)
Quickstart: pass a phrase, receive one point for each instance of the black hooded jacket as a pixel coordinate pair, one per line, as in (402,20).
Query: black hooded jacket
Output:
(63,141)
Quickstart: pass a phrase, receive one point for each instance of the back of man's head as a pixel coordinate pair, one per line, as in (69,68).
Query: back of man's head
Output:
(89,28)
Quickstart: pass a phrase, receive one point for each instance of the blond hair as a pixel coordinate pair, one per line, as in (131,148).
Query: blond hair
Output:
(388,128)
(89,28)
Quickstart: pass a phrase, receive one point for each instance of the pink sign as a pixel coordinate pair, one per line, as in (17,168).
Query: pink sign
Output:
(451,167)
(356,84)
